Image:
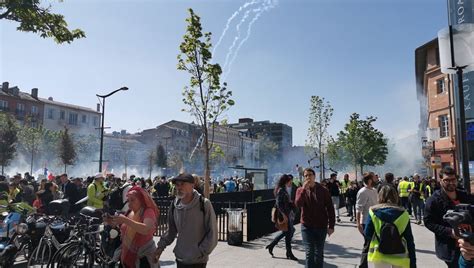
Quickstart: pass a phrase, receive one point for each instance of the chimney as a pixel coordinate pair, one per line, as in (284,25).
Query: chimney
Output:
(5,86)
(16,91)
(50,98)
(34,93)
(98,107)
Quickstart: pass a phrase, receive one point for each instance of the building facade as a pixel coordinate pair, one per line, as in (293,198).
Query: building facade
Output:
(23,106)
(279,133)
(79,120)
(436,97)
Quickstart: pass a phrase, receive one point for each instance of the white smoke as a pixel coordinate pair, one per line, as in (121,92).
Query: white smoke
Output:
(267,5)
(229,21)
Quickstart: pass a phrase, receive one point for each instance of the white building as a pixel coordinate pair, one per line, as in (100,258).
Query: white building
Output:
(79,120)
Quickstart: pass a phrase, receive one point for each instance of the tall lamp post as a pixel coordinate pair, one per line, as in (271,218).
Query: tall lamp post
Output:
(103,119)
(433,136)
(324,150)
(456,50)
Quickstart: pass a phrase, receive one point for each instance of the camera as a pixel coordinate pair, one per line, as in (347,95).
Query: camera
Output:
(461,215)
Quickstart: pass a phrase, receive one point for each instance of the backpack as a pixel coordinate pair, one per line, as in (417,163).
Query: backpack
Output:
(390,240)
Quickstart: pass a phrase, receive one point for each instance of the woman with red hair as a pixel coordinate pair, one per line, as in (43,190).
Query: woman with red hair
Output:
(137,228)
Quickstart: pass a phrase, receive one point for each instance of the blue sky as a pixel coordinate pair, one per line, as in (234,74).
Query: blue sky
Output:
(357,54)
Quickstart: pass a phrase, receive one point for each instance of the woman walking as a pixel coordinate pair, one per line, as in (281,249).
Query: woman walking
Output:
(286,207)
(399,247)
(137,228)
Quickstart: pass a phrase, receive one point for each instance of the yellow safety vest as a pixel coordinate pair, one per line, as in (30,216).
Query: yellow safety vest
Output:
(403,185)
(375,256)
(344,186)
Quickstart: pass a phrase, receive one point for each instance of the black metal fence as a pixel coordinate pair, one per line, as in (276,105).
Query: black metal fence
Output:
(256,218)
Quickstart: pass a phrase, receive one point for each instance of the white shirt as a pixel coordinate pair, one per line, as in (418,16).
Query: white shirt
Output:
(365,199)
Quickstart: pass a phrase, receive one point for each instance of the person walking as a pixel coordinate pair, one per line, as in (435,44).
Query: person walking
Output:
(415,198)
(334,190)
(403,193)
(388,228)
(345,184)
(366,197)
(436,207)
(286,207)
(351,194)
(192,219)
(137,227)
(317,218)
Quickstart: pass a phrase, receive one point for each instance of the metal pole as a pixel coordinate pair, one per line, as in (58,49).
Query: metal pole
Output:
(435,171)
(462,129)
(102,135)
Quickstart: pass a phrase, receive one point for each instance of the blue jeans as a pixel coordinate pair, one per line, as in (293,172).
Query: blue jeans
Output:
(288,235)
(418,207)
(313,241)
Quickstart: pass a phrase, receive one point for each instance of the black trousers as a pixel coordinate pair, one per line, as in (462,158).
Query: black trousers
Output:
(365,252)
(196,265)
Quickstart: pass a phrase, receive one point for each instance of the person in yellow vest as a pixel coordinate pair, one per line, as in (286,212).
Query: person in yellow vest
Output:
(13,192)
(96,192)
(389,230)
(403,188)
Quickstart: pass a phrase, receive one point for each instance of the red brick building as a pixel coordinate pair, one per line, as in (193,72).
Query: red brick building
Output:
(21,105)
(436,97)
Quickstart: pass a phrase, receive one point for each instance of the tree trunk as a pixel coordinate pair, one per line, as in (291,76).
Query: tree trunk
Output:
(3,166)
(207,170)
(65,168)
(361,170)
(355,169)
(31,165)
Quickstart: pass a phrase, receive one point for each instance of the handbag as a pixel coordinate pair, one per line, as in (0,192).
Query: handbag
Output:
(282,222)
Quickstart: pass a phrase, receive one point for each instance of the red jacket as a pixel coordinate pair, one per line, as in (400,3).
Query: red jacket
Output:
(317,210)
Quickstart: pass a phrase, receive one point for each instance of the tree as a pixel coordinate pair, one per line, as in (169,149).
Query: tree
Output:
(67,151)
(161,158)
(151,157)
(37,19)
(217,155)
(31,140)
(267,150)
(8,140)
(363,143)
(205,97)
(320,114)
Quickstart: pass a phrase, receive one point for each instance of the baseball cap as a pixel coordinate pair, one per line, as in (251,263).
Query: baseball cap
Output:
(184,177)
(99,175)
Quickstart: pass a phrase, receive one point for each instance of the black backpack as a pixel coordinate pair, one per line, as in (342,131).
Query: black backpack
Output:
(390,240)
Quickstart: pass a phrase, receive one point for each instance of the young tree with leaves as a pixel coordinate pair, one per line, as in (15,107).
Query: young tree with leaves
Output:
(8,139)
(161,158)
(35,18)
(31,140)
(67,151)
(267,150)
(363,143)
(320,114)
(205,97)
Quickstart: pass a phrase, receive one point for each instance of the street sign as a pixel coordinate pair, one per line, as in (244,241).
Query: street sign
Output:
(436,162)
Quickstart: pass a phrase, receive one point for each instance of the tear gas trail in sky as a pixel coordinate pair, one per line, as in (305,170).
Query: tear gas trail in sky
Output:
(229,21)
(267,5)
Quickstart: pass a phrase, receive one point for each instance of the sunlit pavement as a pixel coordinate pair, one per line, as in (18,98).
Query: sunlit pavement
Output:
(342,250)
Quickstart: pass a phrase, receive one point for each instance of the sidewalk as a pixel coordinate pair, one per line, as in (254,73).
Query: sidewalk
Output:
(342,250)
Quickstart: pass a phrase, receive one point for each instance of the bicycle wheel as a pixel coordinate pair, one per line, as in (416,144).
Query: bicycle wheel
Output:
(73,255)
(41,255)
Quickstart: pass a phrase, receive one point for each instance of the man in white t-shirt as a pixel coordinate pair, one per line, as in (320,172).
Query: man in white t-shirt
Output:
(366,197)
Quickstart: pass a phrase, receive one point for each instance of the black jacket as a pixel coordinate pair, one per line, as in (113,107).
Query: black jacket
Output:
(73,195)
(436,206)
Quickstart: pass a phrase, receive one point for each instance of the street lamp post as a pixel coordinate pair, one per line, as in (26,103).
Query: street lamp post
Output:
(433,136)
(102,123)
(324,150)
(456,50)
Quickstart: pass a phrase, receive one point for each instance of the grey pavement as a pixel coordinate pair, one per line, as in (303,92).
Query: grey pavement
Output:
(342,249)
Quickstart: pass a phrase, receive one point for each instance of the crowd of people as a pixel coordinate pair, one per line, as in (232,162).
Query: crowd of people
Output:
(382,210)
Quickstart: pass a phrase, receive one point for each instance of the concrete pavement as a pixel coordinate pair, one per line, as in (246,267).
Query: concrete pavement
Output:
(342,250)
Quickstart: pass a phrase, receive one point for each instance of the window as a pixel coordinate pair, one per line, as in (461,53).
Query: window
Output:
(50,113)
(62,115)
(20,108)
(73,119)
(84,119)
(3,105)
(95,121)
(34,109)
(440,86)
(443,126)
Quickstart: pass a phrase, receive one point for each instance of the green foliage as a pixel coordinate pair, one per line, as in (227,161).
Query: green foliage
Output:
(37,19)
(267,150)
(363,143)
(217,155)
(161,158)
(67,151)
(204,97)
(8,139)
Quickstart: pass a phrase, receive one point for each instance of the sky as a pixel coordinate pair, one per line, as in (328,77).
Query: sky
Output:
(357,54)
